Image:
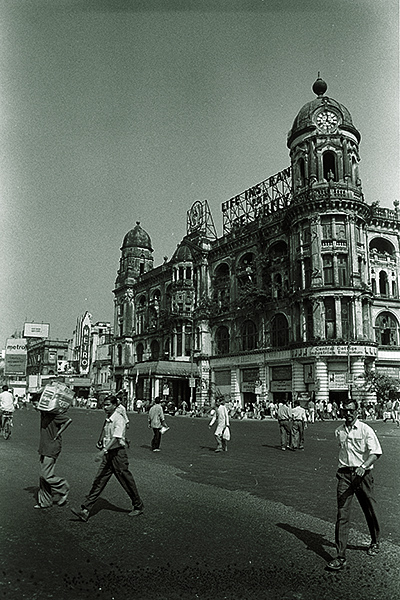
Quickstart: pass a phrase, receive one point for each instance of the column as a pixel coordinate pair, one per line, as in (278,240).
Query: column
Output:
(358,318)
(298,384)
(338,317)
(321,375)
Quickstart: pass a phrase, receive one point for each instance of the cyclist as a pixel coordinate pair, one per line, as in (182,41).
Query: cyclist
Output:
(6,403)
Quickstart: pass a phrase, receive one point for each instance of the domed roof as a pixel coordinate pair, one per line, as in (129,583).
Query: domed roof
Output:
(137,238)
(304,120)
(182,254)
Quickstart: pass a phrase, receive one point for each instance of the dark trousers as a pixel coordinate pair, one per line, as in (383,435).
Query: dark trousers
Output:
(298,434)
(285,428)
(348,485)
(115,462)
(156,441)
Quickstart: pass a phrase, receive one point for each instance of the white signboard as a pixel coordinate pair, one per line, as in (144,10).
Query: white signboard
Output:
(36,330)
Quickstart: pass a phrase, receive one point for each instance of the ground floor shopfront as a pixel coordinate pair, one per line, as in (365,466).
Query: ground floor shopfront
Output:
(323,373)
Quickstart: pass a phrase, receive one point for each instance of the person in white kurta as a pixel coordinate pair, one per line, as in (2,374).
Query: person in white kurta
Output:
(221,433)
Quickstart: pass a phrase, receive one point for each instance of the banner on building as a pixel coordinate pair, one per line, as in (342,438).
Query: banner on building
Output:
(36,330)
(15,356)
(84,355)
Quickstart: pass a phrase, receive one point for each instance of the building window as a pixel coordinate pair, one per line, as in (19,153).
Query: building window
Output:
(346,318)
(383,284)
(386,330)
(327,261)
(327,229)
(307,272)
(330,318)
(329,166)
(340,228)
(119,354)
(309,320)
(188,339)
(179,337)
(279,331)
(249,336)
(139,352)
(222,340)
(155,350)
(343,270)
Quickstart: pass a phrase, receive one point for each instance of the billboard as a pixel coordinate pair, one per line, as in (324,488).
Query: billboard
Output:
(15,363)
(36,330)
(84,362)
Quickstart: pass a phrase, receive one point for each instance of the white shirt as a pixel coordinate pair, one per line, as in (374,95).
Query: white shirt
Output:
(356,444)
(114,427)
(6,401)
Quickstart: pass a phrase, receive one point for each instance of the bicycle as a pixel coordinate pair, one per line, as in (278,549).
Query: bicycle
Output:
(7,424)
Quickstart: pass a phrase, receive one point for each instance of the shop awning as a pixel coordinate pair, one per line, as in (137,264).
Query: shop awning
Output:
(164,368)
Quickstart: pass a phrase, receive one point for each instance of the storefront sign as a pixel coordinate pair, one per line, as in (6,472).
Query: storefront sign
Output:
(338,381)
(332,350)
(281,386)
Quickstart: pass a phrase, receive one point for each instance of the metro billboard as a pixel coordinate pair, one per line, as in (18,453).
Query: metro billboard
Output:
(15,356)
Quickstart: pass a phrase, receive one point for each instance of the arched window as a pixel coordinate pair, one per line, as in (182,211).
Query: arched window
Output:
(301,172)
(139,352)
(119,354)
(329,166)
(222,340)
(221,284)
(330,318)
(249,336)
(279,331)
(383,284)
(155,350)
(387,330)
(246,271)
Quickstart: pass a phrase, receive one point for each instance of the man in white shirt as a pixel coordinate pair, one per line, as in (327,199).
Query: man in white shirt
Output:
(299,423)
(6,403)
(114,460)
(359,448)
(222,433)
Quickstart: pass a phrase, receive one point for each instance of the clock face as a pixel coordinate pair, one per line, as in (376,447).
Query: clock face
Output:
(327,121)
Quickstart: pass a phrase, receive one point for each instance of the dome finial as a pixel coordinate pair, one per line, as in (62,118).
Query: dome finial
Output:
(319,87)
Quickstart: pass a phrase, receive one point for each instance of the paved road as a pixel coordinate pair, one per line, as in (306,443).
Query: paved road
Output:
(254,522)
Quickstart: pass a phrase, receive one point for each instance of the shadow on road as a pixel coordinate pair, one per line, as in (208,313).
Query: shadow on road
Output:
(102,504)
(313,541)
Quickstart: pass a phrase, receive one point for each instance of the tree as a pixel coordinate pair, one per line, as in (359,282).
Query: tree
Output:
(385,387)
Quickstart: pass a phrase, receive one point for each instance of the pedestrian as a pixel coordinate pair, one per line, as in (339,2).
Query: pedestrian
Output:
(222,432)
(284,416)
(299,417)
(6,403)
(311,411)
(52,426)
(156,422)
(359,448)
(114,461)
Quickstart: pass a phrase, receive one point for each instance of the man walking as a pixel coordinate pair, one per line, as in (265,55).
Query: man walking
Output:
(51,427)
(156,422)
(359,448)
(222,433)
(284,417)
(114,460)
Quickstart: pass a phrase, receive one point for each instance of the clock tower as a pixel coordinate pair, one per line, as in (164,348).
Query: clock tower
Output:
(324,144)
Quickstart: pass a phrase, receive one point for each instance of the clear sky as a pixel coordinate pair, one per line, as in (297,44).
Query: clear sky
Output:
(117,111)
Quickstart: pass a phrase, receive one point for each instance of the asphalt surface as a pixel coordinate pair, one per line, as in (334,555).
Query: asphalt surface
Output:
(251,523)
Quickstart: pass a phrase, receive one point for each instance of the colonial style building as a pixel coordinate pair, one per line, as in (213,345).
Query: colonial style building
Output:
(299,297)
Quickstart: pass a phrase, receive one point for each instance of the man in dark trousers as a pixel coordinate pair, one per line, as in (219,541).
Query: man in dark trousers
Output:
(114,460)
(359,448)
(51,427)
